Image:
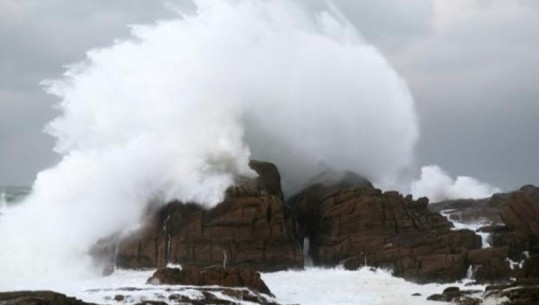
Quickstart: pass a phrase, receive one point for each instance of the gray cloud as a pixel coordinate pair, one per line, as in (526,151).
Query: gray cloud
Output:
(471,65)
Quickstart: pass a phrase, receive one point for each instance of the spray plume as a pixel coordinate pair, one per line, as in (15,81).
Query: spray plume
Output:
(437,185)
(177,111)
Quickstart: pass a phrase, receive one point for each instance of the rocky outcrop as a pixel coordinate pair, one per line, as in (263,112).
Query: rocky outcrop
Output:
(512,223)
(456,296)
(521,217)
(361,226)
(490,265)
(520,292)
(38,298)
(512,218)
(485,210)
(251,228)
(225,277)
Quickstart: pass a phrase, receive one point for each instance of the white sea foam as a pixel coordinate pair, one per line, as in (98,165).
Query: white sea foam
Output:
(312,286)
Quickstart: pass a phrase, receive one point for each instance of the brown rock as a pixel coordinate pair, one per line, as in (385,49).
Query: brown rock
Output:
(490,264)
(521,216)
(226,277)
(363,226)
(531,267)
(436,267)
(38,298)
(522,292)
(268,177)
(251,228)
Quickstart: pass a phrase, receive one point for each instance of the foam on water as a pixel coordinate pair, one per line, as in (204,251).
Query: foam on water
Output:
(475,225)
(313,286)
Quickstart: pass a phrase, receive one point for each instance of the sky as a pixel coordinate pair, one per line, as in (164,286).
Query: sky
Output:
(471,65)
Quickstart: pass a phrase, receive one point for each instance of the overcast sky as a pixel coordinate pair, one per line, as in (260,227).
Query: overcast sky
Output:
(472,67)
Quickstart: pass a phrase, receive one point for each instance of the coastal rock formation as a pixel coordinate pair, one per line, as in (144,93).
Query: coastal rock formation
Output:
(490,265)
(37,298)
(456,296)
(486,210)
(225,277)
(512,218)
(520,292)
(360,225)
(251,228)
(521,217)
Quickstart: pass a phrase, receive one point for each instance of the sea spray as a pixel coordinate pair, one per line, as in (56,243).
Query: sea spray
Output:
(437,185)
(177,111)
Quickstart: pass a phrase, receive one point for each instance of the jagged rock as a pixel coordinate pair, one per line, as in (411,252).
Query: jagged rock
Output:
(38,298)
(521,292)
(361,226)
(250,228)
(514,219)
(521,215)
(490,265)
(472,210)
(225,277)
(268,177)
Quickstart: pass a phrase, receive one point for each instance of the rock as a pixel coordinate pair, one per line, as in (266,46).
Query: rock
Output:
(436,267)
(467,300)
(456,296)
(521,216)
(225,277)
(531,267)
(447,295)
(38,298)
(514,231)
(361,226)
(470,210)
(268,177)
(521,292)
(437,297)
(490,265)
(251,228)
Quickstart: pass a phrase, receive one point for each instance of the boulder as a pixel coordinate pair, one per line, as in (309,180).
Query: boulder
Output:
(251,228)
(224,277)
(360,225)
(38,298)
(490,265)
(456,296)
(520,292)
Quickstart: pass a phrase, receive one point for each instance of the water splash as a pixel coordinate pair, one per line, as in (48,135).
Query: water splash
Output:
(178,110)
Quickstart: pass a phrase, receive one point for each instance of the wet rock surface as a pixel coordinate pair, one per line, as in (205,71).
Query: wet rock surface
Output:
(251,228)
(226,277)
(457,296)
(360,225)
(38,298)
(184,295)
(520,292)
